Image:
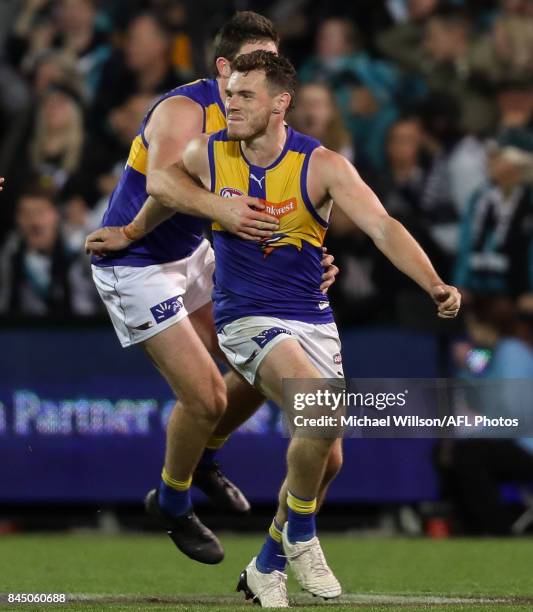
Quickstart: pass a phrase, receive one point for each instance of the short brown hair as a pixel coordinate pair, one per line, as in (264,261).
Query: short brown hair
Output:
(244,27)
(279,72)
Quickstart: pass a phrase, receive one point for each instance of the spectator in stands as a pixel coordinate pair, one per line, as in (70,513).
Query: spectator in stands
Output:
(57,141)
(32,33)
(364,87)
(102,165)
(175,15)
(444,51)
(474,469)
(144,66)
(148,55)
(512,41)
(457,169)
(515,105)
(406,190)
(496,238)
(39,276)
(362,293)
(65,25)
(78,36)
(52,68)
(56,68)
(317,115)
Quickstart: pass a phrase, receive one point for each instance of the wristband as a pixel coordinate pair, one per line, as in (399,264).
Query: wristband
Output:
(132,232)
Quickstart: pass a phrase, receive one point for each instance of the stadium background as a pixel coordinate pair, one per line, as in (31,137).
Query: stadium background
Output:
(425,97)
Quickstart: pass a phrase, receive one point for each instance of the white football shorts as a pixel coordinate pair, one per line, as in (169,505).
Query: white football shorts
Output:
(247,341)
(144,301)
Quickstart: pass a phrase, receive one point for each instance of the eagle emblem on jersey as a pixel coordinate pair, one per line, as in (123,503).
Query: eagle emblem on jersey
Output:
(280,210)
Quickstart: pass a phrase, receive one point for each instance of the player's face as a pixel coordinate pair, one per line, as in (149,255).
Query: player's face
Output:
(249,105)
(37,221)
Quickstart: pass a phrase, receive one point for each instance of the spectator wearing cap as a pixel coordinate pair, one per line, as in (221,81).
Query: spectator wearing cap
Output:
(496,242)
(39,275)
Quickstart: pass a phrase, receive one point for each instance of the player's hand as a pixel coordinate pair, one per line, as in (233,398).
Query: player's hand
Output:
(243,217)
(2,179)
(448,300)
(330,270)
(106,240)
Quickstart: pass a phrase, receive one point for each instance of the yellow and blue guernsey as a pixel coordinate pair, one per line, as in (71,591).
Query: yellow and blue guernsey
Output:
(281,276)
(178,237)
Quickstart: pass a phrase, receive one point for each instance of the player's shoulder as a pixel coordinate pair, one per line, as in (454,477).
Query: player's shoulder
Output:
(194,95)
(302,143)
(326,159)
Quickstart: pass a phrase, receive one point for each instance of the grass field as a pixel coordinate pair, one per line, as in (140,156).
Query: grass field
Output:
(145,572)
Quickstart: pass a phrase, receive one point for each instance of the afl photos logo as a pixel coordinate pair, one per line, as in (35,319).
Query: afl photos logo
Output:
(230,192)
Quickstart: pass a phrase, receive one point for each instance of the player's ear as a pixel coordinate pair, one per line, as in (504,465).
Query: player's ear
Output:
(224,67)
(282,103)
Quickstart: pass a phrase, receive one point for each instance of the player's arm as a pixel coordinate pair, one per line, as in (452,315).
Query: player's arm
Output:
(170,186)
(332,176)
(172,190)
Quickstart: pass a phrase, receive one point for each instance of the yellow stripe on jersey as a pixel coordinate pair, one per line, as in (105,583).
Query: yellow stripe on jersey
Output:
(138,157)
(215,120)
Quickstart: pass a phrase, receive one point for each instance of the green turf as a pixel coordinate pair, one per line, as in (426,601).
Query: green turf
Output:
(136,572)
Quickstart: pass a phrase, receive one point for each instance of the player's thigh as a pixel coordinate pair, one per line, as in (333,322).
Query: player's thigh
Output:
(287,359)
(180,355)
(197,299)
(204,325)
(240,393)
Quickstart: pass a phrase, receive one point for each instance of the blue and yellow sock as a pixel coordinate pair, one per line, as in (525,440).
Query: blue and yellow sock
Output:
(271,556)
(214,444)
(302,525)
(174,495)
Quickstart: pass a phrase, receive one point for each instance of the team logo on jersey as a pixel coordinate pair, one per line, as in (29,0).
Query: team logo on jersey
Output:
(337,358)
(269,334)
(259,181)
(166,309)
(230,192)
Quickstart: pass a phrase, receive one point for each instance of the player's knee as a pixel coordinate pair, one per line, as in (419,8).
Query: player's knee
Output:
(210,403)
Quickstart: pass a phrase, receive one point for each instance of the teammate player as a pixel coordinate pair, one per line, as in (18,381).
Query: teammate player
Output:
(272,320)
(158,289)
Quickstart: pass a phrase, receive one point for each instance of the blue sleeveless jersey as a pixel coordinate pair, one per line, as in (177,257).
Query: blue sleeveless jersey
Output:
(180,235)
(279,277)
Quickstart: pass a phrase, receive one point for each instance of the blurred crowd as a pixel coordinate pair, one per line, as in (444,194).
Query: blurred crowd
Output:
(431,100)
